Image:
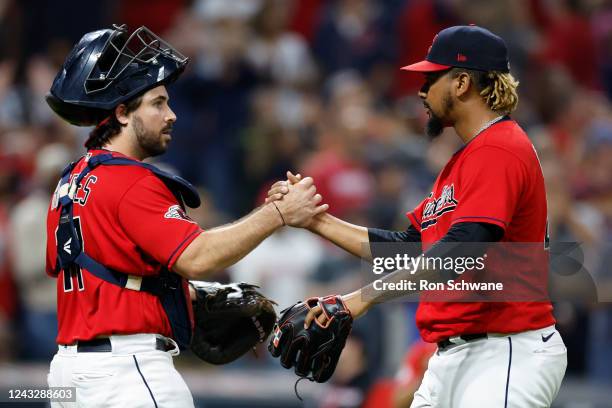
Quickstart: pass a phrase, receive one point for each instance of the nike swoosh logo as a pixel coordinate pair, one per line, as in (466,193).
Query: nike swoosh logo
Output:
(546,338)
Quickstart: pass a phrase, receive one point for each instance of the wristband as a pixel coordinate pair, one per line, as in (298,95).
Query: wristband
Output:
(279,213)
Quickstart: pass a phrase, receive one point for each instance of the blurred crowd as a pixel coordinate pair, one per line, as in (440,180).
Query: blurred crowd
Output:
(314,86)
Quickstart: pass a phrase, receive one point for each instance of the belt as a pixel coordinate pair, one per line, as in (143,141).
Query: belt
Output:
(456,340)
(104,345)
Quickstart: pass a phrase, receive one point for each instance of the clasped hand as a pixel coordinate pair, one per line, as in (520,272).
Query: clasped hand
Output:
(297,200)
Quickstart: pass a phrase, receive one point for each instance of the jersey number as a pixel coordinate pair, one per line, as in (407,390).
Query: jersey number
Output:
(75,270)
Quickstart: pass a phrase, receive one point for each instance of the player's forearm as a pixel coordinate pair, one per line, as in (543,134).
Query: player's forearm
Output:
(356,303)
(221,247)
(347,236)
(372,293)
(361,300)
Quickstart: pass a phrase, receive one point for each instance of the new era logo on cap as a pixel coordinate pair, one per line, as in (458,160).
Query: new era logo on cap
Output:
(470,47)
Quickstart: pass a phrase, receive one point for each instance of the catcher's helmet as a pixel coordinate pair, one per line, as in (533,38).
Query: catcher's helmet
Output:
(106,68)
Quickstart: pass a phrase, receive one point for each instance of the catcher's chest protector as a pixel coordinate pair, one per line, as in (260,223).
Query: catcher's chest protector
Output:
(168,286)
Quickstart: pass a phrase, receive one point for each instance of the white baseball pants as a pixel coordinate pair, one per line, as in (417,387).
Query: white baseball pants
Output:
(135,374)
(522,370)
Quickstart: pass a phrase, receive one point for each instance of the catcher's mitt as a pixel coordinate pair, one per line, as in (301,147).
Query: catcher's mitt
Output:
(229,320)
(314,352)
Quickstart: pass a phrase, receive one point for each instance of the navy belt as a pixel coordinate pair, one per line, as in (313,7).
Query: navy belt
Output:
(456,340)
(104,345)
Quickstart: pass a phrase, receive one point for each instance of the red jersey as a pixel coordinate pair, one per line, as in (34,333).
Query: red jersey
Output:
(496,178)
(129,222)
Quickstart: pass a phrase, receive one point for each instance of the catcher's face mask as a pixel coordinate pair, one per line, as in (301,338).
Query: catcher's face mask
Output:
(130,57)
(109,67)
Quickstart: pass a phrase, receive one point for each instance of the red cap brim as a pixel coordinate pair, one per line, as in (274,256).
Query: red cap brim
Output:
(425,66)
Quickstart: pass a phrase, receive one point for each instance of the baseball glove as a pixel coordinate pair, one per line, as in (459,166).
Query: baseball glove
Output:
(230,320)
(314,352)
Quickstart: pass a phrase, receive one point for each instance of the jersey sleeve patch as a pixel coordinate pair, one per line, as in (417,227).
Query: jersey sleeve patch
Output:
(177,213)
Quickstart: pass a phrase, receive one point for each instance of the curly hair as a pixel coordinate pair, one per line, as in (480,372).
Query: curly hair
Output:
(498,89)
(109,126)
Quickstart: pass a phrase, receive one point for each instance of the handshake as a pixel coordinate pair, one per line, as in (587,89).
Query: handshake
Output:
(296,200)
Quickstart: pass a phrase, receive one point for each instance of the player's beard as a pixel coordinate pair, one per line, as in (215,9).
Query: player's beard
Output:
(436,124)
(151,142)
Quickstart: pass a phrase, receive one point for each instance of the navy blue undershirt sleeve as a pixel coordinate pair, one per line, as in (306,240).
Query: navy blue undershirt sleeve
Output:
(381,235)
(473,232)
(460,232)
(378,236)
(465,232)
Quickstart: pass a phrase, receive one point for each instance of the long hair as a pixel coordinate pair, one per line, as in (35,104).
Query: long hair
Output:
(498,89)
(110,126)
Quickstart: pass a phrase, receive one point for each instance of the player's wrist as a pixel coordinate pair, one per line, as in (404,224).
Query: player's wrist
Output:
(275,212)
(356,304)
(317,223)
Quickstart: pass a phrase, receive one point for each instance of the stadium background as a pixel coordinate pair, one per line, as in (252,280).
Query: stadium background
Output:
(313,86)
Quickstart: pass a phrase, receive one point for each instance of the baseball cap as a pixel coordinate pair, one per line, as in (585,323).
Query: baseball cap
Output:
(469,47)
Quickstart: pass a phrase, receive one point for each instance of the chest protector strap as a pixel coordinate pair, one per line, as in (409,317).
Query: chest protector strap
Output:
(168,286)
